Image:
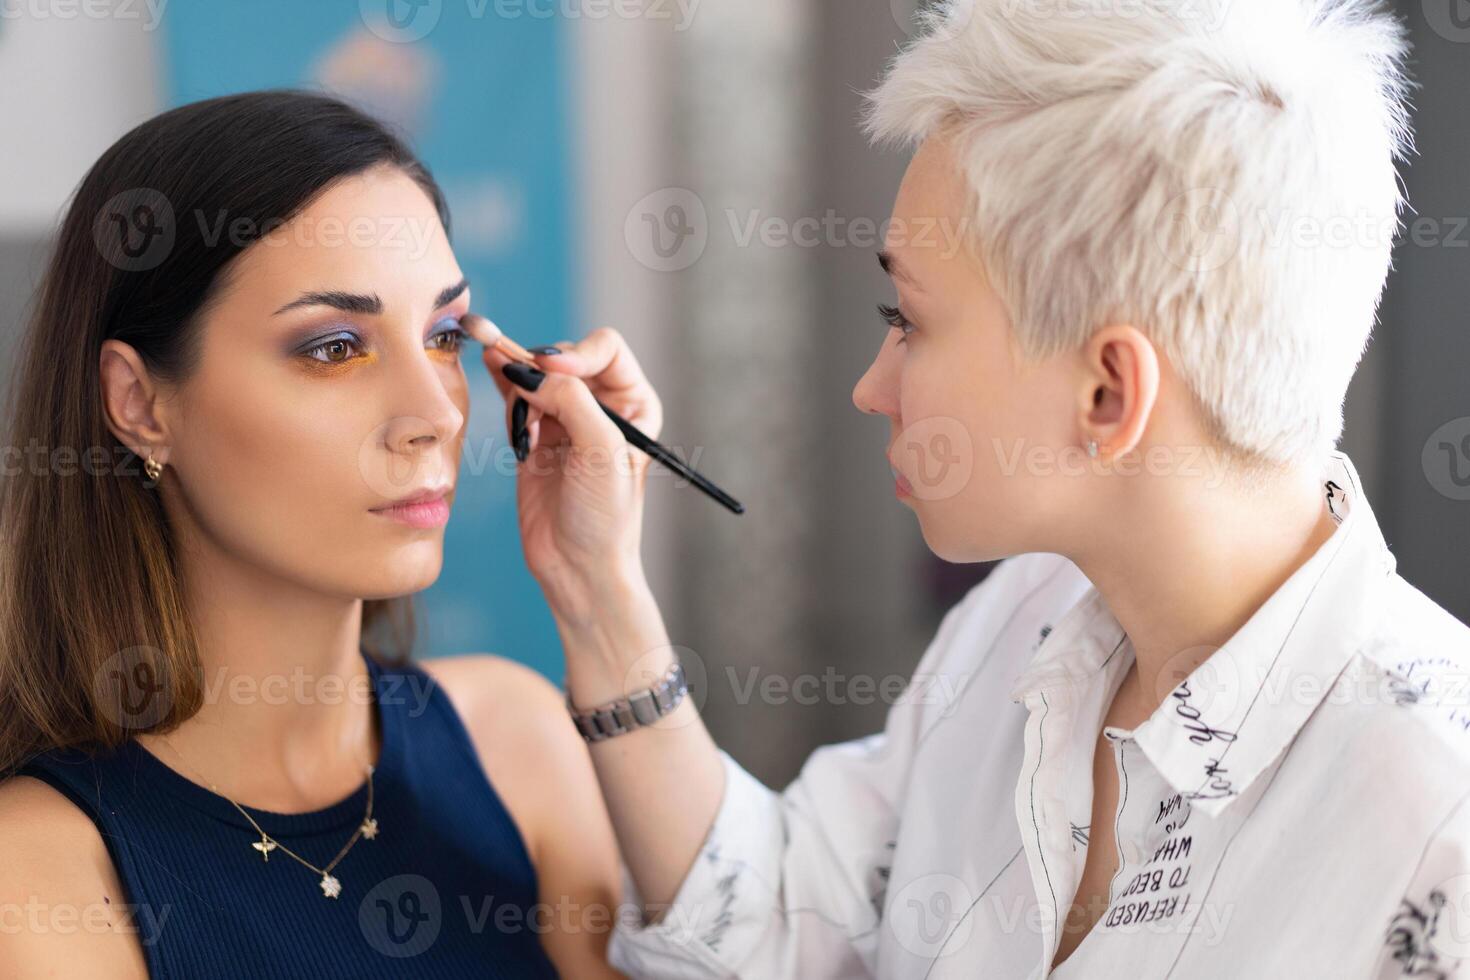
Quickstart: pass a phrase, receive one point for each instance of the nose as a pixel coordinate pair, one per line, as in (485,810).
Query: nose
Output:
(876,392)
(425,411)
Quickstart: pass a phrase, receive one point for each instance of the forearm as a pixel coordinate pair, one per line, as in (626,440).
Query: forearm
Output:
(662,784)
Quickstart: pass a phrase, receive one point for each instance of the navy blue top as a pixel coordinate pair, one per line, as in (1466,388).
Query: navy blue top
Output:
(446,888)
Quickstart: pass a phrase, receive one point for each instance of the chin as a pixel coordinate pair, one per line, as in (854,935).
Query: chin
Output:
(958,548)
(944,544)
(405,572)
(388,590)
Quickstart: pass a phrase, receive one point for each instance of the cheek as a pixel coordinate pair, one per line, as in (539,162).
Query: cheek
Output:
(271,469)
(961,398)
(974,424)
(974,427)
(269,442)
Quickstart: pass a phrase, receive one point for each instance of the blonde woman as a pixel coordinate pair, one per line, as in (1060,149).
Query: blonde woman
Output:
(1203,729)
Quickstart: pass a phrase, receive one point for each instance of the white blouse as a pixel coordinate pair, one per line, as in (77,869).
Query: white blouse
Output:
(1296,808)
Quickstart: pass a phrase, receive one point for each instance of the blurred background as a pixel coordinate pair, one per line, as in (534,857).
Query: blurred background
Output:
(691,172)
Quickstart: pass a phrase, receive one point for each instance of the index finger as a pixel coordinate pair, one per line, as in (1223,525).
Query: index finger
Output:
(604,355)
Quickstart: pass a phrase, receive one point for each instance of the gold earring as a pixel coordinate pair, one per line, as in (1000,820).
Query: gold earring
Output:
(153,467)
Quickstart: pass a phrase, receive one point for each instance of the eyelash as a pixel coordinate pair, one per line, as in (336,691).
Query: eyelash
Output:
(895,319)
(457,333)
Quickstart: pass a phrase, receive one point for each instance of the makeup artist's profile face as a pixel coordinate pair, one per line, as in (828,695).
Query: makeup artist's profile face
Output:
(302,419)
(963,410)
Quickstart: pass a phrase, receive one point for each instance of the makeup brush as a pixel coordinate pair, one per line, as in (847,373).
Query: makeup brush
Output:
(487,333)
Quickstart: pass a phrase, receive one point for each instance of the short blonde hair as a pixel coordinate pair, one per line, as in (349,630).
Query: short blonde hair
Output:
(1223,177)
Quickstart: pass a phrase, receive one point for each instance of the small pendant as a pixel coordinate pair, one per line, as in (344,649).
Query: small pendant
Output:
(265,845)
(370,828)
(331,887)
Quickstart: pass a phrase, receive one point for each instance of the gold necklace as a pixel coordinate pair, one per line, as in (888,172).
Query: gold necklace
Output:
(330,885)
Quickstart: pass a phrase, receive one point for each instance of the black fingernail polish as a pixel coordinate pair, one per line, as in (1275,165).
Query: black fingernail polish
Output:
(523,446)
(547,349)
(528,378)
(518,434)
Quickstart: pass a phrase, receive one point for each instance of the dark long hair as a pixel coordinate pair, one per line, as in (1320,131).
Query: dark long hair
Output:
(91,604)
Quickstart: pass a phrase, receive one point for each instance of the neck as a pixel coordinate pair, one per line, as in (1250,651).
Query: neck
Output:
(287,720)
(1183,572)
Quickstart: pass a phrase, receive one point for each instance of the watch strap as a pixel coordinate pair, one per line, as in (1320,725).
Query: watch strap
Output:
(637,710)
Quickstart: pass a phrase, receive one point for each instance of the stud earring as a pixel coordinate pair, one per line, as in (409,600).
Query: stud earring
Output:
(1092,448)
(153,467)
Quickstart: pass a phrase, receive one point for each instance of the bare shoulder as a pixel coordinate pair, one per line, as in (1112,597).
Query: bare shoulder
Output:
(504,703)
(47,840)
(525,739)
(74,917)
(477,682)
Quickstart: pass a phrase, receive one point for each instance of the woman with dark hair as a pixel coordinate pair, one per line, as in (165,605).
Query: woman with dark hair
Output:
(244,406)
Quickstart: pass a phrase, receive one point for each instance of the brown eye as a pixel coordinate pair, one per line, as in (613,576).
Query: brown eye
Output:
(449,340)
(333,350)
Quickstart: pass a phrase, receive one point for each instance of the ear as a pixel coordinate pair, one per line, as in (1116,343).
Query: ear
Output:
(131,401)
(1121,384)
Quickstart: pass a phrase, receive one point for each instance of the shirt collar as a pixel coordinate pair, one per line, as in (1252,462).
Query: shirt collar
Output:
(1234,714)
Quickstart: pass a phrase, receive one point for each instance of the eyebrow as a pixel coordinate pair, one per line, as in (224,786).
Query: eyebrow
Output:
(893,267)
(367,304)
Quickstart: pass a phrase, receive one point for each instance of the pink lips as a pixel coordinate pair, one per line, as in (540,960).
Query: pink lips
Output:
(424,513)
(901,486)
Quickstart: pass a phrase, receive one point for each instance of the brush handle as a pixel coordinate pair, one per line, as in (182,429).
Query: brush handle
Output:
(631,432)
(664,455)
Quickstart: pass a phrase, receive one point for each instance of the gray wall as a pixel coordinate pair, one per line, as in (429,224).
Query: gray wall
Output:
(21,261)
(1425,328)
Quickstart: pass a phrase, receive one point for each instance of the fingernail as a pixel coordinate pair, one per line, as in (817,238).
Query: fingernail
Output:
(523,446)
(547,349)
(518,433)
(526,377)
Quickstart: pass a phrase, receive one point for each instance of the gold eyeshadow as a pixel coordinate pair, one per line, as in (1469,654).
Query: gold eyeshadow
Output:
(332,368)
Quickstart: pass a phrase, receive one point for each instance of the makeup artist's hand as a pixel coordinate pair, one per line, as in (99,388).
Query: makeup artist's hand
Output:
(580,497)
(580,491)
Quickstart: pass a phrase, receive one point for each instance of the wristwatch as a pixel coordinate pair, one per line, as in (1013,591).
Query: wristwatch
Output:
(635,711)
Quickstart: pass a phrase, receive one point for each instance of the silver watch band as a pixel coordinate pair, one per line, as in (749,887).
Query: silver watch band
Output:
(635,711)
